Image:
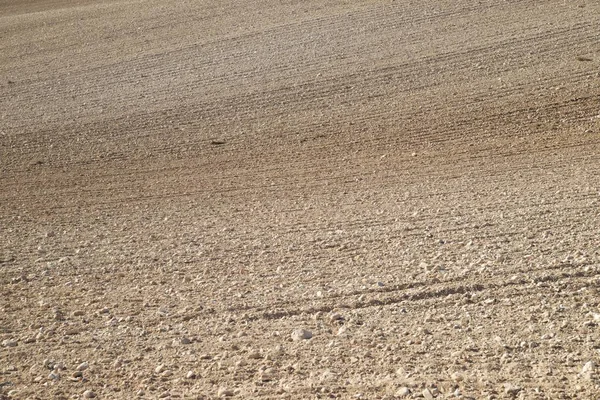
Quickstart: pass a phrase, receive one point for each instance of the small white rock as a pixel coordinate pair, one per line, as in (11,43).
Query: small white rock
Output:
(190,375)
(403,392)
(427,394)
(587,371)
(88,394)
(301,334)
(9,343)
(83,366)
(159,369)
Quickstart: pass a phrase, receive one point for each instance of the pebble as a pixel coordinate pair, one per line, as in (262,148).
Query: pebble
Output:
(9,343)
(301,334)
(78,313)
(190,375)
(88,394)
(587,371)
(185,340)
(224,392)
(54,376)
(427,394)
(255,355)
(403,392)
(511,390)
(335,317)
(83,366)
(159,369)
(267,375)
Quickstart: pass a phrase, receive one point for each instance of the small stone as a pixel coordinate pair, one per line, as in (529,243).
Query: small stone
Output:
(254,355)
(159,369)
(83,366)
(185,340)
(9,343)
(301,334)
(511,390)
(13,393)
(77,374)
(164,395)
(140,393)
(166,372)
(457,377)
(78,313)
(54,376)
(403,392)
(190,375)
(335,317)
(587,372)
(427,394)
(224,392)
(88,394)
(266,375)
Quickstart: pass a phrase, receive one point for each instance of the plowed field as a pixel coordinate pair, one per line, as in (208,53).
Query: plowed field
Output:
(185,185)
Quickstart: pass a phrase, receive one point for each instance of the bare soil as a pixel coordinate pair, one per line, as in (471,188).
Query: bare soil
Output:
(184,185)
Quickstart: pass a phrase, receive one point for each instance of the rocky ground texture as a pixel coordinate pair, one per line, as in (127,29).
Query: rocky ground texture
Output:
(299,199)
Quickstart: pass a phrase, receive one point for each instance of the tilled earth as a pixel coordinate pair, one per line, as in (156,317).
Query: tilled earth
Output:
(186,186)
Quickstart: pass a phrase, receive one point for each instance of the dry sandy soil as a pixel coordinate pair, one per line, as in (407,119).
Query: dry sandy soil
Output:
(185,184)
